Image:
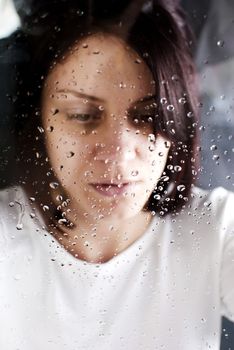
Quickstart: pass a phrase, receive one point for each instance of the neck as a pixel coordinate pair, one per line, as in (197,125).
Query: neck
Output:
(100,240)
(97,238)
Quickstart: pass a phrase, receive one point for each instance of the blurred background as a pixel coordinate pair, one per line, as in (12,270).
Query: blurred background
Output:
(213,25)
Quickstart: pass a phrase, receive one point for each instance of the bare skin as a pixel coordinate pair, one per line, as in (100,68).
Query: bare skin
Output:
(98,102)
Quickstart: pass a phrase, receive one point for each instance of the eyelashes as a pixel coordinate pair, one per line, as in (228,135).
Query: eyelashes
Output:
(88,118)
(84,118)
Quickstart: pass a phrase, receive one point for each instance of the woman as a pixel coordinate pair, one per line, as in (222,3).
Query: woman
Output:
(103,242)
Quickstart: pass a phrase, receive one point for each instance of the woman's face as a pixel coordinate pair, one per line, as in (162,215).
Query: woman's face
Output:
(97,105)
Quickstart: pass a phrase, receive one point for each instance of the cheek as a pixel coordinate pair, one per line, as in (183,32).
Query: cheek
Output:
(67,154)
(158,150)
(157,155)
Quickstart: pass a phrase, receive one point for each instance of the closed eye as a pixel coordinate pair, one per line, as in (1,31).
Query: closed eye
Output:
(84,118)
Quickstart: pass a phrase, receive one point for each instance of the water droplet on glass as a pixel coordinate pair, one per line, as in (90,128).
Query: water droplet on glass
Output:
(59,198)
(62,221)
(213,147)
(215,157)
(163,100)
(11,204)
(207,204)
(85,45)
(54,111)
(145,54)
(70,154)
(65,203)
(157,197)
(138,61)
(136,121)
(182,100)
(160,154)
(134,172)
(151,138)
(41,130)
(87,173)
(170,167)
(181,188)
(101,108)
(53,185)
(19,226)
(45,207)
(175,77)
(120,185)
(96,52)
(190,114)
(177,168)
(170,108)
(122,85)
(220,43)
(32,215)
(164,178)
(50,128)
(151,148)
(172,131)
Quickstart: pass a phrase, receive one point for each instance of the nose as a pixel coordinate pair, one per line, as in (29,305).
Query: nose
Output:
(118,145)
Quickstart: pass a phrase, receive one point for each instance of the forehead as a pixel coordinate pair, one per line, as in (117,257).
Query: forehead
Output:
(102,63)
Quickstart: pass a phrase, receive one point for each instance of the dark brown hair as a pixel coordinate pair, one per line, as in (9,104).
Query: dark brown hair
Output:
(157,31)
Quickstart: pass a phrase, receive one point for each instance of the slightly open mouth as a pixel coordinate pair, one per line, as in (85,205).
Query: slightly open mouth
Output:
(111,190)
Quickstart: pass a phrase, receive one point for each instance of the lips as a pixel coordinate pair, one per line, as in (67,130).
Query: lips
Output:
(110,189)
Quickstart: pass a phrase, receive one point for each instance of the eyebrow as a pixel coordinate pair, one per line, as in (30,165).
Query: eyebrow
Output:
(98,99)
(81,95)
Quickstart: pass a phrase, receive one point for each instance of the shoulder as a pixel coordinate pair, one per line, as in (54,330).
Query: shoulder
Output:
(12,208)
(12,200)
(10,194)
(218,202)
(208,215)
(213,210)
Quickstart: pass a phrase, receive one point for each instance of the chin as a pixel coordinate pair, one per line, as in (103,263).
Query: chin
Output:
(120,207)
(120,210)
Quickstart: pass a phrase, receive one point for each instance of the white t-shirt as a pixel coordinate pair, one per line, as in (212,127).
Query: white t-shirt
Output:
(167,290)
